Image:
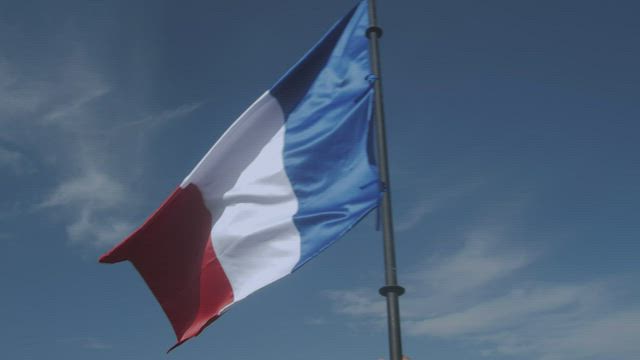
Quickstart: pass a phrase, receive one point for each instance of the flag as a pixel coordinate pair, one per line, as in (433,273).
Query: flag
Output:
(290,176)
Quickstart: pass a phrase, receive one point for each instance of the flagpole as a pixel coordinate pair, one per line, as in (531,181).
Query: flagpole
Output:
(392,291)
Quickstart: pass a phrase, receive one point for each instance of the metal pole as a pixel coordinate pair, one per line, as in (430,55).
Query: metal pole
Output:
(391,290)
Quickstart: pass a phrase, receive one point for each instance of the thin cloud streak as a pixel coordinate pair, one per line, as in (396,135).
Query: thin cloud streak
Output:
(17,94)
(16,162)
(93,196)
(95,189)
(69,130)
(439,199)
(477,295)
(484,258)
(503,312)
(161,118)
(66,111)
(90,343)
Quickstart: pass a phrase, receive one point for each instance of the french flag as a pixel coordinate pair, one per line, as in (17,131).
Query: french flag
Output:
(290,176)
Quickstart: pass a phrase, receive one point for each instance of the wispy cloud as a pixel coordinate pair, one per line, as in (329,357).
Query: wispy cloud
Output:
(481,294)
(504,312)
(616,334)
(160,118)
(65,112)
(89,343)
(17,94)
(95,344)
(485,257)
(80,139)
(94,189)
(15,162)
(415,215)
(595,333)
(427,204)
(315,321)
(357,302)
(95,195)
(92,196)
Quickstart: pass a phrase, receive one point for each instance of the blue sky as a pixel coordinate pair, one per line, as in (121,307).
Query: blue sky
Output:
(513,138)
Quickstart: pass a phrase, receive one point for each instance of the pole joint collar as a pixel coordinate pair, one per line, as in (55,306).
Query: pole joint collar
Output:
(374,29)
(395,289)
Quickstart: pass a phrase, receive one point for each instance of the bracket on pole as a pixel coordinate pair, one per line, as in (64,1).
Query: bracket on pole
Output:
(374,29)
(385,290)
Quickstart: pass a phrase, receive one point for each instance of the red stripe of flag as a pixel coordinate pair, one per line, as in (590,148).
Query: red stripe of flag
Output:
(173,253)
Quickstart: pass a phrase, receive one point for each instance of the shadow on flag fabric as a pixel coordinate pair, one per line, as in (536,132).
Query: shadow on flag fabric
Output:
(290,176)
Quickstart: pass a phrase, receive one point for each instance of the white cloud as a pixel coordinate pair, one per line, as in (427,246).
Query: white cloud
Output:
(15,162)
(600,332)
(358,302)
(502,312)
(162,117)
(18,95)
(63,122)
(485,257)
(482,259)
(422,207)
(91,343)
(93,189)
(93,196)
(95,344)
(315,321)
(98,230)
(614,335)
(477,295)
(415,215)
(10,158)
(90,92)
(96,194)
(94,199)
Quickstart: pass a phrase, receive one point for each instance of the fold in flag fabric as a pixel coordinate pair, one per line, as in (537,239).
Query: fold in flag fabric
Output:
(290,176)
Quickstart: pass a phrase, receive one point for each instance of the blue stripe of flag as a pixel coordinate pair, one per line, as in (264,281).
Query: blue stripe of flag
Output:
(327,100)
